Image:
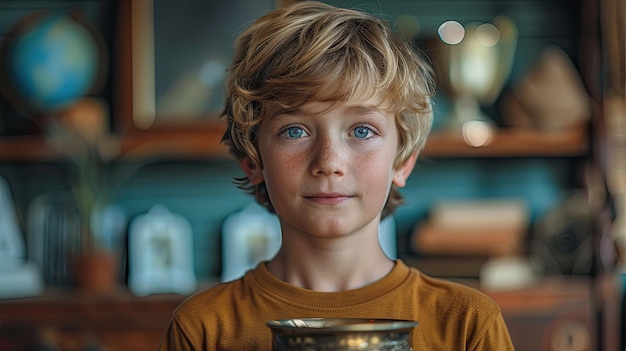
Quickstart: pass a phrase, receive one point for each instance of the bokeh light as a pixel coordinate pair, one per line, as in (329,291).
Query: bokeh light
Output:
(451,32)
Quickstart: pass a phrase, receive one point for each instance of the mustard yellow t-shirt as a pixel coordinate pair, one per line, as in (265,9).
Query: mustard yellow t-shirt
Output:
(232,316)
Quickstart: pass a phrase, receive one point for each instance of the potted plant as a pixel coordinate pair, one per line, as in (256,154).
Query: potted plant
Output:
(81,134)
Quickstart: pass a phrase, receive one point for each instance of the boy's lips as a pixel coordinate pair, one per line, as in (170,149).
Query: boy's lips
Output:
(327,198)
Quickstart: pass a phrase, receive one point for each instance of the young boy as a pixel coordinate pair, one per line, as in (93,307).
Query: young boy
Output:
(327,113)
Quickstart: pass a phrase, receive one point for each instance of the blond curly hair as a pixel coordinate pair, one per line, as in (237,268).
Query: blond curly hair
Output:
(310,51)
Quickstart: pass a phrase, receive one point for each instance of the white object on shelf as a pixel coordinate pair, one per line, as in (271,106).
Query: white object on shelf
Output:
(161,253)
(22,280)
(507,273)
(18,278)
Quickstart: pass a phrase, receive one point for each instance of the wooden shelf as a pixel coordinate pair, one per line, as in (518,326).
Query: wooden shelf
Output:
(23,148)
(204,143)
(200,141)
(71,320)
(511,143)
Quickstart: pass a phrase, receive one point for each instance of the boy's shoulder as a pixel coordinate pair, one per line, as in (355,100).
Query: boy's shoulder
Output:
(452,295)
(211,296)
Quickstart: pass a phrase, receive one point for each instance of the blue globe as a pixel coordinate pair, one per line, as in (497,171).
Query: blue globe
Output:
(52,62)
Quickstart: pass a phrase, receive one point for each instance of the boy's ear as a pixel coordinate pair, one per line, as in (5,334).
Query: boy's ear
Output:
(252,170)
(403,172)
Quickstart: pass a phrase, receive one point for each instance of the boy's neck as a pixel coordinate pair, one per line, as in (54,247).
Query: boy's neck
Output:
(330,270)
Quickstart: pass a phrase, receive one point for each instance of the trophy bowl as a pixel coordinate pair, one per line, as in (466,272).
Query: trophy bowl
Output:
(472,63)
(334,334)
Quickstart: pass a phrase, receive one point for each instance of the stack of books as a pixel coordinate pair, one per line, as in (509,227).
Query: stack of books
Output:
(458,237)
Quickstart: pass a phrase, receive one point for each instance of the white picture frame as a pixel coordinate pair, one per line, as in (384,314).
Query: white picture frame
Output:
(160,252)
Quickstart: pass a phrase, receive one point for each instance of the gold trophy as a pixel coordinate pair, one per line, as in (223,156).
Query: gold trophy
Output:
(474,61)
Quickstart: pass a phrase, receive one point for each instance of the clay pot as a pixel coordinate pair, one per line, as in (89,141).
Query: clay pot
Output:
(95,272)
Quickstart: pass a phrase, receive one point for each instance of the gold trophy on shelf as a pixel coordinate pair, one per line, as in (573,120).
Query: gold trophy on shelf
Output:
(472,64)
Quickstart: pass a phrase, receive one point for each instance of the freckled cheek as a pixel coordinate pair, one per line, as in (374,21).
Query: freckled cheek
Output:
(283,167)
(275,159)
(371,159)
(374,168)
(291,164)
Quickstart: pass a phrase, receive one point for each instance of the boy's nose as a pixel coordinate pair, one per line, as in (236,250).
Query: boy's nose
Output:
(328,158)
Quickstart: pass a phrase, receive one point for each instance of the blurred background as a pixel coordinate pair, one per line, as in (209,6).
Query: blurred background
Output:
(117,202)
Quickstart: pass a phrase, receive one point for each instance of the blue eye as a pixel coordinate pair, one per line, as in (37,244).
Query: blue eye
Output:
(362,132)
(293,133)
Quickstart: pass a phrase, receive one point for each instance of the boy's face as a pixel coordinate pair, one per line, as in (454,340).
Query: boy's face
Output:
(328,168)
